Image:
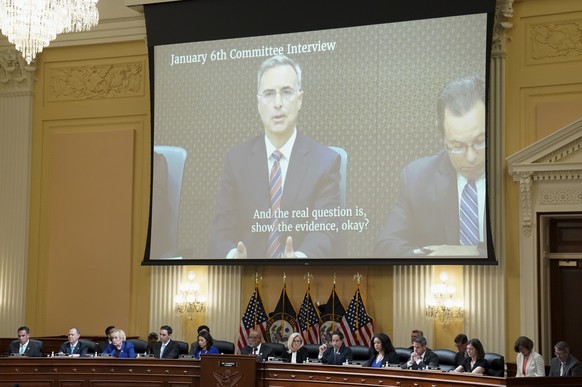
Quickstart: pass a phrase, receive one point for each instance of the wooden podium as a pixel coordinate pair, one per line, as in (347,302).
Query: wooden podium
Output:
(229,370)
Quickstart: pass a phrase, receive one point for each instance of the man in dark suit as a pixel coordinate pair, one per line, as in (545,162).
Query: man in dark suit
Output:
(441,207)
(256,347)
(564,364)
(24,345)
(421,357)
(338,353)
(73,347)
(166,348)
(461,341)
(273,182)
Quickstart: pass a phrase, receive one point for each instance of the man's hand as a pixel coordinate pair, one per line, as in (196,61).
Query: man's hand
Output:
(241,250)
(288,252)
(451,250)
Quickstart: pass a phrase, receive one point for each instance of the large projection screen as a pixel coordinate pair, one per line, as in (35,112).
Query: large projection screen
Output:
(368,106)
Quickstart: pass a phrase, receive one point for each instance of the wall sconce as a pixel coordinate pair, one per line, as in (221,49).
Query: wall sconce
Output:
(188,300)
(442,306)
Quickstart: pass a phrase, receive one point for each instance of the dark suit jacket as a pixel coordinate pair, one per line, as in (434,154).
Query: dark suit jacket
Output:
(265,351)
(460,358)
(80,349)
(33,349)
(312,181)
(430,359)
(172,351)
(389,358)
(345,354)
(302,355)
(427,209)
(571,368)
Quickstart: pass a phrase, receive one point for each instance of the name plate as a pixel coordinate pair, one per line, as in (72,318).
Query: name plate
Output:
(227,364)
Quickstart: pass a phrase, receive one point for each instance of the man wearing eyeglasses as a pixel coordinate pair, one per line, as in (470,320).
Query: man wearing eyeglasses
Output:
(441,207)
(273,182)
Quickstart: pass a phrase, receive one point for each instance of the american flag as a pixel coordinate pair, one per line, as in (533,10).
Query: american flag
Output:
(309,320)
(357,325)
(255,317)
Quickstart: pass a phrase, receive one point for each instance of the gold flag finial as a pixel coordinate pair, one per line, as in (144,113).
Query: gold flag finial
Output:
(308,277)
(358,277)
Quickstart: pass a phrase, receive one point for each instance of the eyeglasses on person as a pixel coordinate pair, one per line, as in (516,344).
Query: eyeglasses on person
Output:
(286,94)
(462,149)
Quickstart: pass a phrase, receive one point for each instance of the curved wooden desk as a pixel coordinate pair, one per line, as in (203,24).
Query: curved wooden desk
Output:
(107,371)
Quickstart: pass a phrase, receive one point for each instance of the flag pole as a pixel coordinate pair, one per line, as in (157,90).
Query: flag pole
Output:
(308,276)
(282,327)
(333,305)
(357,277)
(255,298)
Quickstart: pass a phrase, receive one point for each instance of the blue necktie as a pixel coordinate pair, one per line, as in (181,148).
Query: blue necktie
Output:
(276,185)
(468,215)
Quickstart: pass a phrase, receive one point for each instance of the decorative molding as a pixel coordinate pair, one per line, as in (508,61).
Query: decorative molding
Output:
(555,41)
(559,175)
(555,154)
(96,81)
(15,74)
(503,16)
(525,188)
(559,197)
(561,152)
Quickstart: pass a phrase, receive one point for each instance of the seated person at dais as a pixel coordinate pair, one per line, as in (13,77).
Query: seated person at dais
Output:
(564,364)
(461,341)
(119,347)
(73,347)
(205,345)
(421,357)
(338,353)
(166,348)
(256,347)
(529,362)
(475,362)
(152,339)
(382,351)
(296,352)
(24,346)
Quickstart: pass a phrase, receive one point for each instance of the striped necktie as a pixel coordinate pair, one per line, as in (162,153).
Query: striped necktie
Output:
(276,185)
(468,215)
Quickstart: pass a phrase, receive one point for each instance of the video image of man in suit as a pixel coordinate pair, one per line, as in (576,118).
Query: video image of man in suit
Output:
(441,210)
(272,183)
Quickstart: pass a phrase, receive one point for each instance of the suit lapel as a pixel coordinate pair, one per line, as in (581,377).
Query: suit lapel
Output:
(296,172)
(259,175)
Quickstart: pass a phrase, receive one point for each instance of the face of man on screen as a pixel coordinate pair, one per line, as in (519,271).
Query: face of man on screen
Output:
(279,102)
(465,140)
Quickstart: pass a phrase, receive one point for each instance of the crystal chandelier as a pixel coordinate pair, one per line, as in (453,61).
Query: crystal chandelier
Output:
(188,301)
(32,24)
(441,306)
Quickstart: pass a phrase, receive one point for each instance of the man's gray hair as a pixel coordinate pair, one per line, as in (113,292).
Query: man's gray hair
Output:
(278,60)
